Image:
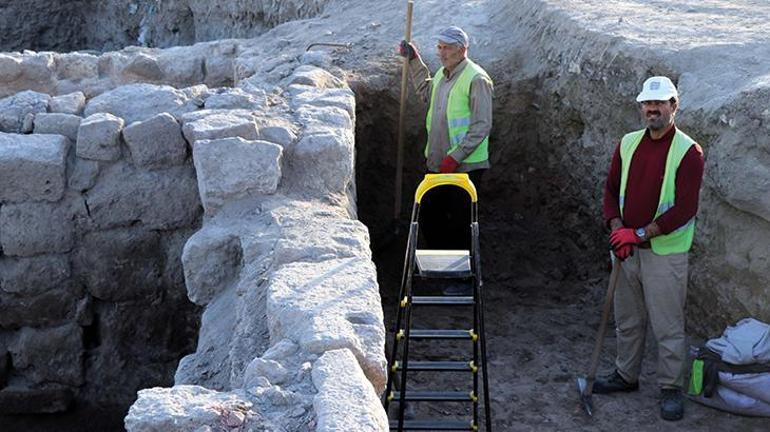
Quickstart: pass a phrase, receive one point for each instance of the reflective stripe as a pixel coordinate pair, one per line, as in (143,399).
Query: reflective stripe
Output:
(622,200)
(664,207)
(459,122)
(457,139)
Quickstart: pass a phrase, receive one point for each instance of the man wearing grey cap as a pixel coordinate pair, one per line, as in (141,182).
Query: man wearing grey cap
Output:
(460,111)
(650,203)
(458,123)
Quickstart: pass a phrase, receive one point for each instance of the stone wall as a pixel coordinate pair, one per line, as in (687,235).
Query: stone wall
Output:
(93,217)
(292,329)
(283,272)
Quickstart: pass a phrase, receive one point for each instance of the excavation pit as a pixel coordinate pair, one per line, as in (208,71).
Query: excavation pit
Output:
(564,94)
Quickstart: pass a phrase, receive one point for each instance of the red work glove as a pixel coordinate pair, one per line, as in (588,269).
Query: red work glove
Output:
(624,251)
(406,49)
(448,165)
(623,236)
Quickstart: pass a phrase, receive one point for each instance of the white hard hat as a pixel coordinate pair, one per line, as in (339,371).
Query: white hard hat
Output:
(657,88)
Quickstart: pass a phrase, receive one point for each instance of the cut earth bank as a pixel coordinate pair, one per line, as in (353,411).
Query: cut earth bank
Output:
(566,78)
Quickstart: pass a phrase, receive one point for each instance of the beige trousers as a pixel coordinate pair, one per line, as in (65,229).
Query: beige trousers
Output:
(652,287)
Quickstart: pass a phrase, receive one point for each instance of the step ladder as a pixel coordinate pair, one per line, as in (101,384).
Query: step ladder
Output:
(444,266)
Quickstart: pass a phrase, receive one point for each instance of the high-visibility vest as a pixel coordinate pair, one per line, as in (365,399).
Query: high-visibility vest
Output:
(458,111)
(679,240)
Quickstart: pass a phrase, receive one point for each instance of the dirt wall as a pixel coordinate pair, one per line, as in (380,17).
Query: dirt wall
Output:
(53,25)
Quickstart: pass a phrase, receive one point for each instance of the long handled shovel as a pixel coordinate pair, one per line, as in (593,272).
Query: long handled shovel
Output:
(586,385)
(402,116)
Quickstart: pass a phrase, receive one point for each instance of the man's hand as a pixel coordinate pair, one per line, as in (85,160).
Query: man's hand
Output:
(623,236)
(624,252)
(448,165)
(408,50)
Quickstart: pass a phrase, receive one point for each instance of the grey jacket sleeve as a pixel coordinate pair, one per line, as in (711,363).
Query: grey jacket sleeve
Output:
(481,118)
(420,78)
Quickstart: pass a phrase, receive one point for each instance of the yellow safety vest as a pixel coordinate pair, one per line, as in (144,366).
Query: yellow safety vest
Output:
(679,240)
(459,111)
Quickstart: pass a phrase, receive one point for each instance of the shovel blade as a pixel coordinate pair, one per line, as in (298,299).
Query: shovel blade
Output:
(586,398)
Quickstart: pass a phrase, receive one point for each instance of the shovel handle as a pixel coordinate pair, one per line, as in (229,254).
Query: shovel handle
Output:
(603,325)
(402,115)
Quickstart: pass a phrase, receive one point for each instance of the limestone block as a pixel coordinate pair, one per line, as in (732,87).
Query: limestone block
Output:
(309,234)
(137,102)
(345,397)
(10,68)
(233,168)
(57,124)
(341,98)
(71,103)
(14,109)
(211,260)
(324,117)
(220,70)
(156,142)
(236,98)
(37,73)
(83,174)
(33,167)
(76,66)
(181,67)
(324,162)
(200,91)
(277,130)
(314,76)
(26,277)
(281,351)
(143,67)
(99,137)
(160,199)
(273,371)
(35,228)
(217,124)
(120,265)
(53,307)
(330,305)
(185,409)
(52,355)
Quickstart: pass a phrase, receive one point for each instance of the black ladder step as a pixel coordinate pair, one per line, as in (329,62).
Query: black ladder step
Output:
(437,396)
(437,425)
(442,300)
(439,366)
(441,334)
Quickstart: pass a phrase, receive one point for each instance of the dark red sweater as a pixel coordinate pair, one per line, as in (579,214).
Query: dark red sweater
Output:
(645,178)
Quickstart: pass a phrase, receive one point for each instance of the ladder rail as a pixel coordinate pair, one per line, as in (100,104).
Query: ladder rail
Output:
(480,315)
(413,231)
(476,296)
(408,264)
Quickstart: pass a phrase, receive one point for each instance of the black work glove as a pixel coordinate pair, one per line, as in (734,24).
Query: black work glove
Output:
(408,50)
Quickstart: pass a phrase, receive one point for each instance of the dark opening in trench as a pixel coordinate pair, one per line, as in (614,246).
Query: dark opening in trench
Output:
(540,282)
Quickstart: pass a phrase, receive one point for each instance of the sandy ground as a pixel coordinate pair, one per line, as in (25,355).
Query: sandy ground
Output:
(541,319)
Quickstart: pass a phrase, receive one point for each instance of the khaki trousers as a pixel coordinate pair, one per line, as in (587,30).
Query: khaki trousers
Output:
(652,287)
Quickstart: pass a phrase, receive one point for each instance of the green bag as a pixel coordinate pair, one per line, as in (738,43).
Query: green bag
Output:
(696,378)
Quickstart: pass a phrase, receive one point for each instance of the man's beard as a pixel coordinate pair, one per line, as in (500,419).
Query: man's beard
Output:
(659,122)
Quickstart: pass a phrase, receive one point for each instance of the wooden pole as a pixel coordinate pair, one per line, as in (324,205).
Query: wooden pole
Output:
(402,115)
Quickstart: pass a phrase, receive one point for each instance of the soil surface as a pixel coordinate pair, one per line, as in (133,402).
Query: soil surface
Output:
(541,320)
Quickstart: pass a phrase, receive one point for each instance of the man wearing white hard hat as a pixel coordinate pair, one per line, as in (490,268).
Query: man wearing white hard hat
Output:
(650,203)
(458,122)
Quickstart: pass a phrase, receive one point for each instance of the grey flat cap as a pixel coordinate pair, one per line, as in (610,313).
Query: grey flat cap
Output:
(453,35)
